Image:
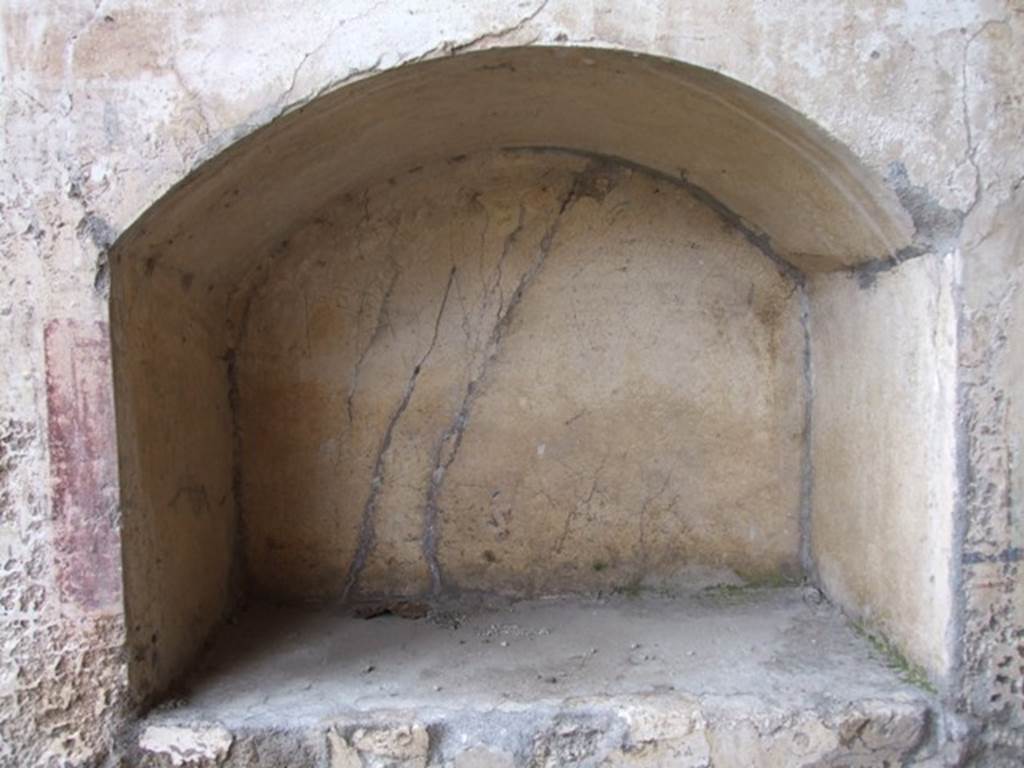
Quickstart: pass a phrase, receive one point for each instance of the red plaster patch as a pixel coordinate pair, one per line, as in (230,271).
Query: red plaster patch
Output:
(83,464)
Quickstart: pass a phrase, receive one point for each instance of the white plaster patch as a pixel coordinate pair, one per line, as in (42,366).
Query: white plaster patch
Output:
(657,721)
(402,742)
(187,745)
(342,755)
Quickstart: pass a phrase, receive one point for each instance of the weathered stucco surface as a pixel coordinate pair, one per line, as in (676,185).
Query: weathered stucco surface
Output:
(522,373)
(882,423)
(992,369)
(105,108)
(177,456)
(541,683)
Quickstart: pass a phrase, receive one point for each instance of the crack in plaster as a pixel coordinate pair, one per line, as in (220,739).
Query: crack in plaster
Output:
(367,534)
(499,280)
(287,95)
(497,35)
(451,440)
(195,99)
(807,560)
(936,228)
(972,150)
(642,516)
(382,323)
(451,47)
(583,503)
(355,73)
(760,240)
(238,560)
(69,55)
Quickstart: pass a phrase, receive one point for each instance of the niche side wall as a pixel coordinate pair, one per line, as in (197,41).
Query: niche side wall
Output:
(884,351)
(175,435)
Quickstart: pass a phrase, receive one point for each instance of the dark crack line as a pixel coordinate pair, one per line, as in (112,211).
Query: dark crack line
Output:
(367,529)
(971,154)
(807,560)
(255,282)
(505,250)
(382,323)
(474,200)
(443,459)
(644,508)
(239,560)
(451,440)
(242,297)
(760,240)
(762,243)
(925,240)
(499,34)
(582,504)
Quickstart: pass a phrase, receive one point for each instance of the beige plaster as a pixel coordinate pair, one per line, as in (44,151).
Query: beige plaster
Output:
(883,443)
(176,458)
(105,107)
(375,510)
(529,373)
(760,159)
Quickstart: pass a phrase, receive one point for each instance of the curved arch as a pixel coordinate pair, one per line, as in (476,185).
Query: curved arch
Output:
(771,167)
(182,275)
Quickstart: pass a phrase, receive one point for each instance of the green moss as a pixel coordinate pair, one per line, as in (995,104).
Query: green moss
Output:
(636,589)
(908,671)
(727,590)
(741,593)
(599,566)
(774,581)
(727,594)
(718,593)
(632,590)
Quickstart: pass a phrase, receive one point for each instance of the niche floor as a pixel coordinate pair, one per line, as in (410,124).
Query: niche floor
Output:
(720,677)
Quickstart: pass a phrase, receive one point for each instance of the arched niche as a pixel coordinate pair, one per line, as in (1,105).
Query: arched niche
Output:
(524,321)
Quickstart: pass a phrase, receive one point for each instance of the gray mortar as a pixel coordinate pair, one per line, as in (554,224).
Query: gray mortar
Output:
(102,235)
(936,228)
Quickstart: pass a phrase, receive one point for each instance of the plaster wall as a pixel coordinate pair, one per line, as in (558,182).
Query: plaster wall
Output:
(176,436)
(105,108)
(992,364)
(521,373)
(883,419)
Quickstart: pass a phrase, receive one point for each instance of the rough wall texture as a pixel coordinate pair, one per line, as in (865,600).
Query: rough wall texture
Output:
(991,643)
(522,373)
(104,108)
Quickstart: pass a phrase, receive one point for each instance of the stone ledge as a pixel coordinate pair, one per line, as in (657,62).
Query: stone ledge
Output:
(742,677)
